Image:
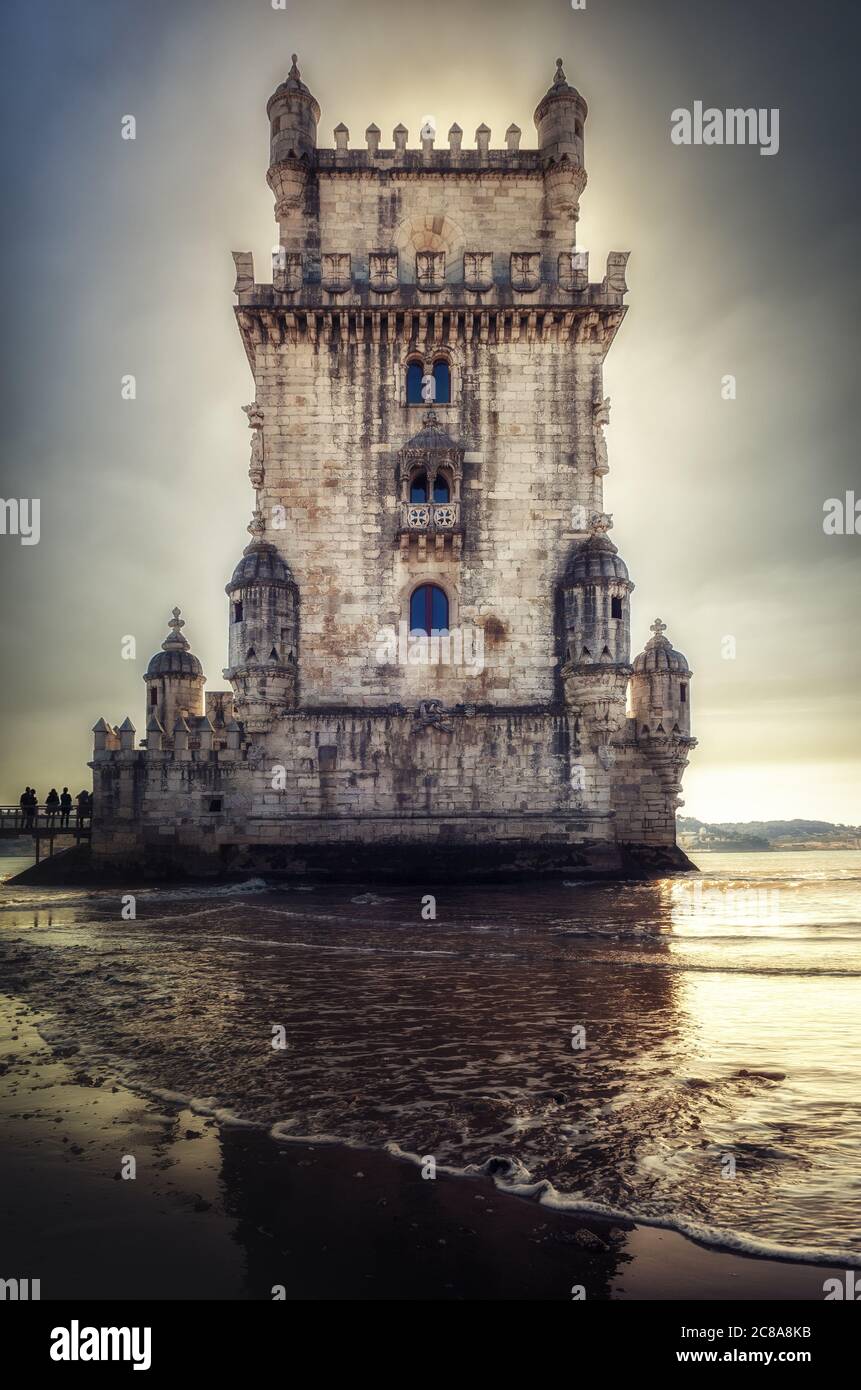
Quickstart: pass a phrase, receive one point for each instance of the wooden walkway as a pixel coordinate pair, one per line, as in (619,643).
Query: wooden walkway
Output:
(45,827)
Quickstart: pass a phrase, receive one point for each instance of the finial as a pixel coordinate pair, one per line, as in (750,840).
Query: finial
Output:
(658,628)
(560,79)
(294,71)
(600,523)
(175,638)
(257,525)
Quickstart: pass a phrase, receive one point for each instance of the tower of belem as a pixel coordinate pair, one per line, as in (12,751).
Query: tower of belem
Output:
(429,629)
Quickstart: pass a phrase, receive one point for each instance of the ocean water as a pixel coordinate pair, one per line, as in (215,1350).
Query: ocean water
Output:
(683,1052)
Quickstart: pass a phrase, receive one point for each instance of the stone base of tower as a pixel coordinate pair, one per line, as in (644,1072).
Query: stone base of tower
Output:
(428,795)
(370,852)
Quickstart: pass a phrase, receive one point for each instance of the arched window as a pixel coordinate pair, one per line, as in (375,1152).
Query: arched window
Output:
(415,372)
(441,490)
(442,377)
(429,610)
(419,488)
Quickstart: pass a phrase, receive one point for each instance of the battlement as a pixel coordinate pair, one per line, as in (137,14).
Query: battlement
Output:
(390,279)
(426,159)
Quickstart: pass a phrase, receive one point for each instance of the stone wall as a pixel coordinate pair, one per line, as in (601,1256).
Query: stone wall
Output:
(334,422)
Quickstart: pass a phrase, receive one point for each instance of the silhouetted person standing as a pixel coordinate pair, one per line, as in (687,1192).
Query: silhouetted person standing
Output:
(32,809)
(24,803)
(83,806)
(52,806)
(65,808)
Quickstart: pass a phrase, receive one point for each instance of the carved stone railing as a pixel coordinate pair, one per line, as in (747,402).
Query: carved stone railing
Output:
(430,516)
(430,528)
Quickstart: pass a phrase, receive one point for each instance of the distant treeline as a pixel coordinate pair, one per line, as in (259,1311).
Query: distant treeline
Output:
(769,834)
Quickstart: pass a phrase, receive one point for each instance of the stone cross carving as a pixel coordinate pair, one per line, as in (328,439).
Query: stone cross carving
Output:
(658,628)
(428,388)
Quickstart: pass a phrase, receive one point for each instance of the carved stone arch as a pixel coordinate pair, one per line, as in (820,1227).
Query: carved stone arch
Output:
(431,451)
(431,231)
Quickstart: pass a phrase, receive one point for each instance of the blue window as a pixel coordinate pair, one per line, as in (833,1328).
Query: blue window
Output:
(429,610)
(442,377)
(415,372)
(440,489)
(419,488)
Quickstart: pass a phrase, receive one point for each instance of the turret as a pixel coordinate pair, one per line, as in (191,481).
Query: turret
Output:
(659,699)
(597,642)
(174,679)
(596,603)
(263,634)
(293,117)
(559,119)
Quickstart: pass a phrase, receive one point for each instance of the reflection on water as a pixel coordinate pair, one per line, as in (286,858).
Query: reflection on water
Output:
(721,1015)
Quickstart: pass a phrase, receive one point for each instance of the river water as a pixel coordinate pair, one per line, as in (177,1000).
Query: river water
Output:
(683,1052)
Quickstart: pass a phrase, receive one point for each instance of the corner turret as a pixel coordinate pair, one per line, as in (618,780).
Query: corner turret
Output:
(293,118)
(174,678)
(659,697)
(264,633)
(559,120)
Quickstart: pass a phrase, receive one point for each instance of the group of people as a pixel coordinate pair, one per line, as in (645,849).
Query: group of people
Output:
(58,807)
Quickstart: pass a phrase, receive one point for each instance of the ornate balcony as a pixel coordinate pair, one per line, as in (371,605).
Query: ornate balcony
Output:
(430,525)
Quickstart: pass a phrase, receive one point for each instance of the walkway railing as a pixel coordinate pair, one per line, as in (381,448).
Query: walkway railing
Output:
(44,824)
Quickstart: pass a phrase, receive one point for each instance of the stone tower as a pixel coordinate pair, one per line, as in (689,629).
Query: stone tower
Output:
(429,632)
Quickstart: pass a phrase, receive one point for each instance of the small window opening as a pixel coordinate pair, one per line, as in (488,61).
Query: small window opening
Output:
(237,611)
(419,488)
(441,491)
(415,372)
(615,608)
(215,803)
(683,693)
(153,695)
(442,377)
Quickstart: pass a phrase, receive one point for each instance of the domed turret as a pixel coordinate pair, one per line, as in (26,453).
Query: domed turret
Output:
(264,633)
(293,116)
(596,591)
(559,119)
(660,688)
(174,678)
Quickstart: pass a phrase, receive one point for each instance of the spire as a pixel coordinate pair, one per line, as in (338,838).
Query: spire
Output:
(294,73)
(560,80)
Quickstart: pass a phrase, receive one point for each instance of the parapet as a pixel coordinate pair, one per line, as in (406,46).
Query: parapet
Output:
(525,277)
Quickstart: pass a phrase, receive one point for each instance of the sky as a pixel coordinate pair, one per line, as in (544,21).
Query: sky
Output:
(117,257)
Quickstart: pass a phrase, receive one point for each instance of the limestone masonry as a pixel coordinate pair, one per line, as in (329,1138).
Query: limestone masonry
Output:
(429,638)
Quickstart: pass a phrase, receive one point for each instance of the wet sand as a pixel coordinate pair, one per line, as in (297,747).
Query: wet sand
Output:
(227,1213)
